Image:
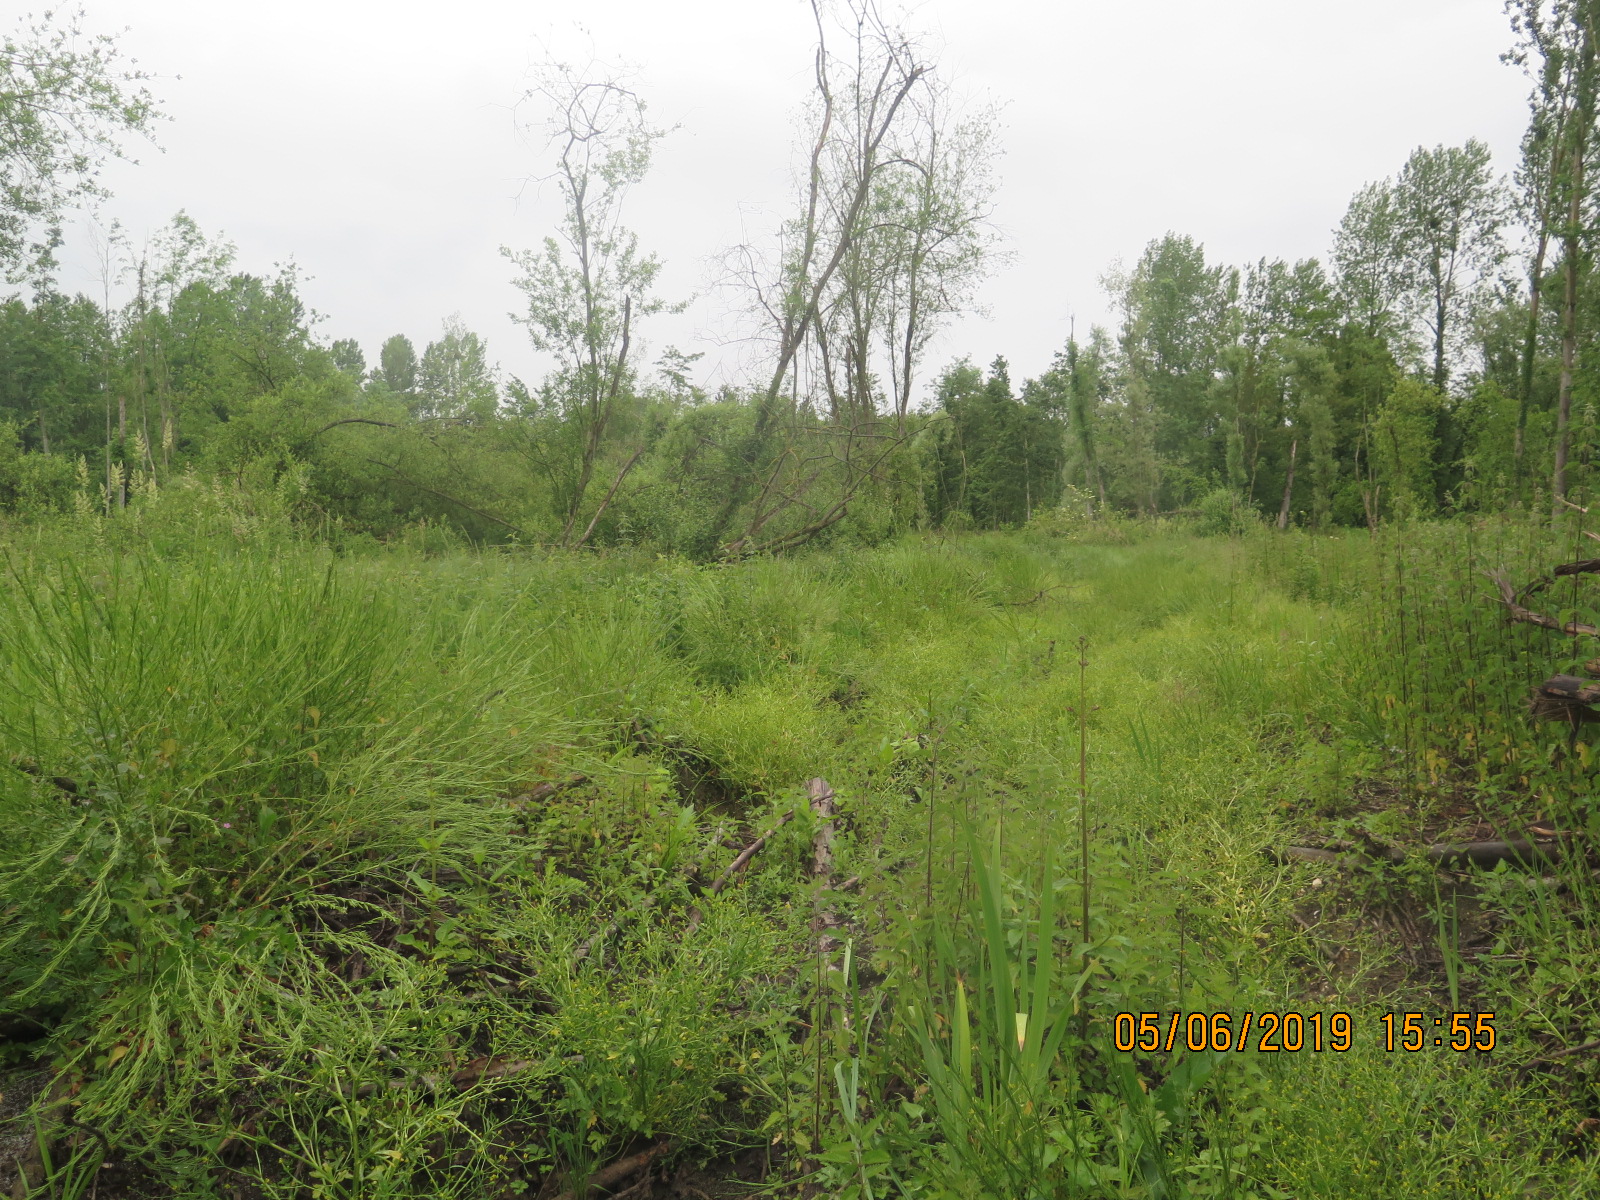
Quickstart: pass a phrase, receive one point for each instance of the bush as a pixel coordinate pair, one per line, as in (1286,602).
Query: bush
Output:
(1223,512)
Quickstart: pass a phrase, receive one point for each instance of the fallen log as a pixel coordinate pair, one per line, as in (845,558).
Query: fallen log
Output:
(1519,851)
(1565,698)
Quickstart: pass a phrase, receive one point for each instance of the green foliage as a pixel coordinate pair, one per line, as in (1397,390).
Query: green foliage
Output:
(1405,435)
(66,103)
(1223,512)
(305,890)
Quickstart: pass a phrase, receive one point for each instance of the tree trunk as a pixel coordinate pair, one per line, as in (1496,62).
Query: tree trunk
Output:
(1530,346)
(1582,117)
(1288,487)
(1440,376)
(1569,329)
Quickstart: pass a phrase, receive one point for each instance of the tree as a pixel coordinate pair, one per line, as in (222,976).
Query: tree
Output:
(65,103)
(1174,316)
(397,366)
(348,358)
(1557,45)
(584,290)
(1453,209)
(454,378)
(1071,391)
(1422,255)
(890,238)
(1405,441)
(1369,285)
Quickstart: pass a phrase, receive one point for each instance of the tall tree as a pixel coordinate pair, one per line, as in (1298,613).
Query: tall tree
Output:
(454,377)
(66,102)
(1175,309)
(397,366)
(347,356)
(1421,255)
(1369,282)
(890,238)
(584,291)
(1557,44)
(1453,209)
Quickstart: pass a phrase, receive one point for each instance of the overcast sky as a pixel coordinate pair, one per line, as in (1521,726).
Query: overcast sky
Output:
(376,143)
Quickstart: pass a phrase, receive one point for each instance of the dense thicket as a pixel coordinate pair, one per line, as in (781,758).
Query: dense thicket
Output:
(1441,357)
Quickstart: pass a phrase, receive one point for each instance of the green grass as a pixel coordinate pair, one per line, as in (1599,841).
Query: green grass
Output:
(306,923)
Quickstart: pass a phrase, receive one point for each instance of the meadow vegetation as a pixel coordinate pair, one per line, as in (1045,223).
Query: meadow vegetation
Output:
(393,874)
(416,781)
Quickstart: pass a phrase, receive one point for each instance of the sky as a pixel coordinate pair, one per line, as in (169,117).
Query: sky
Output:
(382,147)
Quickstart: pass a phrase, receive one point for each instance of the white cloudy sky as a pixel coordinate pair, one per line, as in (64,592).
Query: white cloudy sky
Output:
(376,143)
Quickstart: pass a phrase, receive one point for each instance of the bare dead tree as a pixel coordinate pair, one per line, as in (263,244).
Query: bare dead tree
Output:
(891,238)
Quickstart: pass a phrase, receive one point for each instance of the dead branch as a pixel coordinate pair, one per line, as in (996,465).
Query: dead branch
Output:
(1037,596)
(1511,599)
(623,1168)
(312,436)
(748,853)
(822,844)
(1565,698)
(1521,852)
(610,496)
(1544,1060)
(488,1067)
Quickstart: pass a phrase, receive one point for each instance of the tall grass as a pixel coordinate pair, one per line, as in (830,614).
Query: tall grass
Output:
(387,873)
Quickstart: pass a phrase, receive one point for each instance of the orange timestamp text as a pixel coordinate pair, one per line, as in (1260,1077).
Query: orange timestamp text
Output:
(1290,1032)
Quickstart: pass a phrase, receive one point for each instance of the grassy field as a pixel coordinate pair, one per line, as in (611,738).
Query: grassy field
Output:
(408,874)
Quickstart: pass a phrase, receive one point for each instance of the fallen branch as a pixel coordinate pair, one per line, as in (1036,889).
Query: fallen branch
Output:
(748,853)
(611,495)
(1546,1059)
(312,436)
(822,844)
(622,1169)
(1511,599)
(543,791)
(1518,851)
(1565,698)
(1037,596)
(490,1068)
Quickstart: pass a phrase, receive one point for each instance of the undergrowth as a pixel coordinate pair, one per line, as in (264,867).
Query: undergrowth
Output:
(388,874)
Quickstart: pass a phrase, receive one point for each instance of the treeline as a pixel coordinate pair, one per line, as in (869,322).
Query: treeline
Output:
(1441,358)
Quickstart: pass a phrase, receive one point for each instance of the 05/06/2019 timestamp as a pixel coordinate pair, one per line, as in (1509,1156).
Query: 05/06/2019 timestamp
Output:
(1289,1032)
